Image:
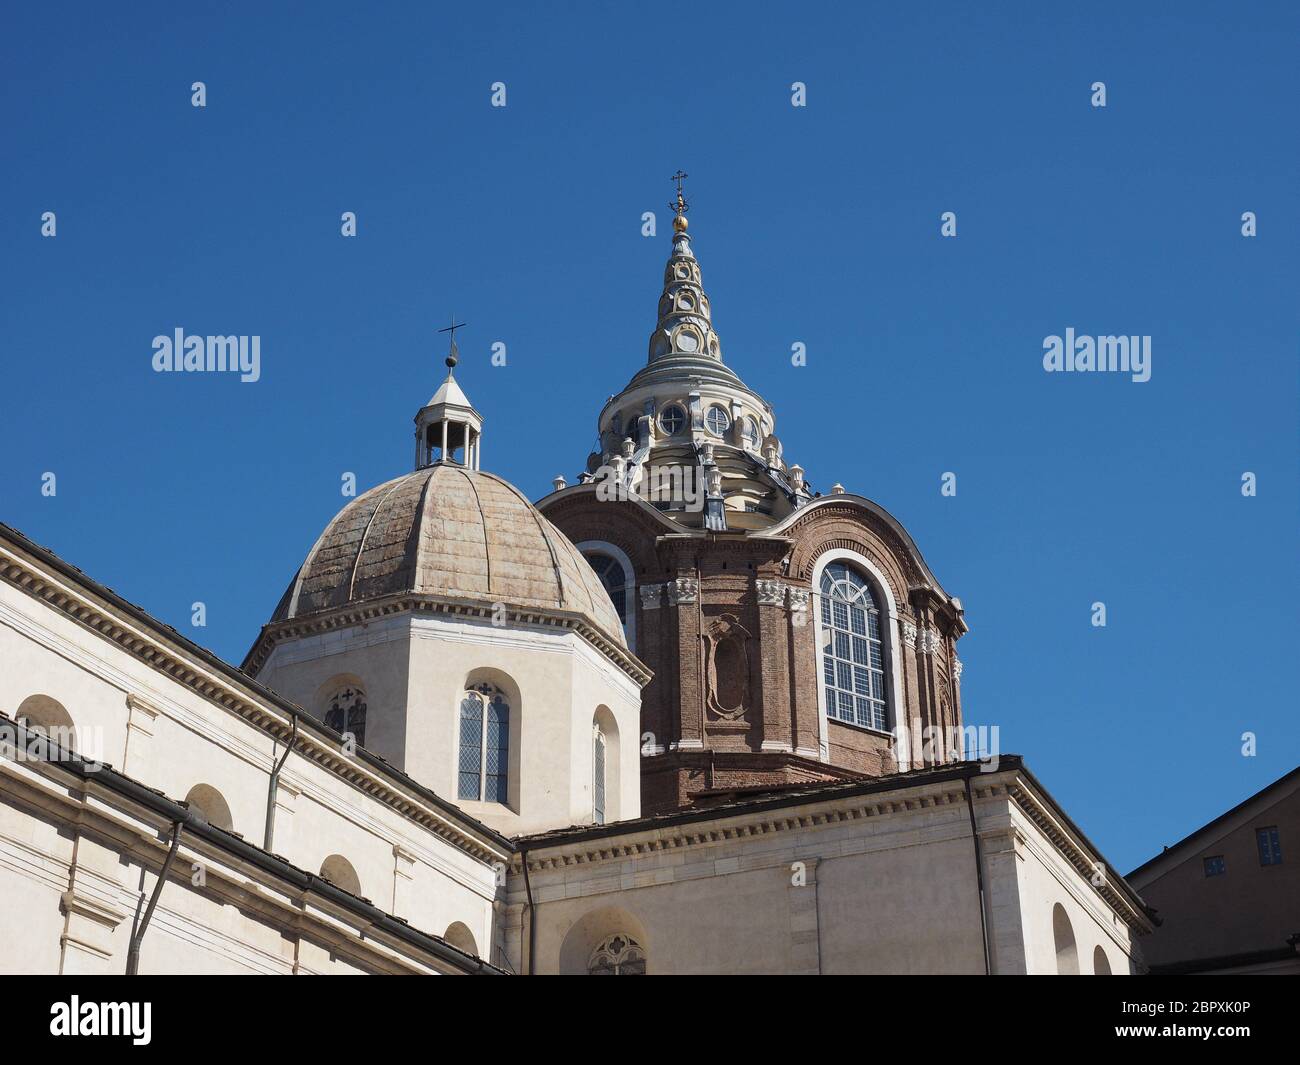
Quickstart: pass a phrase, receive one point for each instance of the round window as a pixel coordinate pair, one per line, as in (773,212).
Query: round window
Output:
(718,420)
(672,420)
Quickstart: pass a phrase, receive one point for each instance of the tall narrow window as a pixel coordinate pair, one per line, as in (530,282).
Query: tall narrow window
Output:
(1270,845)
(598,775)
(853,657)
(483,767)
(345,712)
(614,577)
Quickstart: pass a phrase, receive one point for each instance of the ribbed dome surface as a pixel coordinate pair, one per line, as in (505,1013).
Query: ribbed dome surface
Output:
(449,531)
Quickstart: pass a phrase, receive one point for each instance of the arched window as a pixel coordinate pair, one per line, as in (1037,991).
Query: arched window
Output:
(614,578)
(460,937)
(40,713)
(597,773)
(619,955)
(1100,963)
(614,569)
(1067,954)
(852,649)
(484,763)
(340,872)
(212,805)
(345,712)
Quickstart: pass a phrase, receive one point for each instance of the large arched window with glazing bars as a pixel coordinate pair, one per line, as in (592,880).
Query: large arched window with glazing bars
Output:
(483,766)
(852,648)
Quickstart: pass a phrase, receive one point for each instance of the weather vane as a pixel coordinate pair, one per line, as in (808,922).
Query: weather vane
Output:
(681,206)
(453,355)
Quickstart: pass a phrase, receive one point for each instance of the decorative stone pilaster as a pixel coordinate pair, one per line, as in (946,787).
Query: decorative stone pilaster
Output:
(957,666)
(652,596)
(773,668)
(403,879)
(92,910)
(140,716)
(930,642)
(805,936)
(683,590)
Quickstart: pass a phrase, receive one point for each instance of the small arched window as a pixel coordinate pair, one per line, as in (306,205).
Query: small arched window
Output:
(484,762)
(619,955)
(597,773)
(1067,954)
(212,805)
(460,937)
(40,713)
(852,649)
(345,712)
(341,873)
(1100,963)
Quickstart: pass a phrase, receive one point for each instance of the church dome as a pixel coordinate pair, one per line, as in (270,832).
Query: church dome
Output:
(450,531)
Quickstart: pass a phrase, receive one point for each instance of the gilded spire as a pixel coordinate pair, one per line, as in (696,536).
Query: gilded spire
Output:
(680,207)
(685,327)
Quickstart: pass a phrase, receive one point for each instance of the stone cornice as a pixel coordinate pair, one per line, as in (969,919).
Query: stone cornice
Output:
(365,611)
(1083,861)
(737,824)
(920,795)
(270,714)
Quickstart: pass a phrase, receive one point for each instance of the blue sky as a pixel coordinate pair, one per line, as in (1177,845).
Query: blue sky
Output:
(817,224)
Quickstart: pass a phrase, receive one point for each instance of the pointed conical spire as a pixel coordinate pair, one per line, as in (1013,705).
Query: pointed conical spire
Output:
(685,326)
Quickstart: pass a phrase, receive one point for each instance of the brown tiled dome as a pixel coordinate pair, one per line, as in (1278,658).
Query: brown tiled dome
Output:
(446,530)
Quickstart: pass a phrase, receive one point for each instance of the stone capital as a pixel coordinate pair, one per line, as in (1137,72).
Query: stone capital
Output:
(683,590)
(652,596)
(908,629)
(770,593)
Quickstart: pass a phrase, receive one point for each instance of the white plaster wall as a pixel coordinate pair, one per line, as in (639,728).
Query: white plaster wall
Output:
(190,740)
(891,893)
(1045,879)
(414,671)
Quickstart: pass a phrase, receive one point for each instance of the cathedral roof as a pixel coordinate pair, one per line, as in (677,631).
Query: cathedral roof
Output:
(451,531)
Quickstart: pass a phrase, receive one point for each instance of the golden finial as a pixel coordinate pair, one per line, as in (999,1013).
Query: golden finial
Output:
(679,208)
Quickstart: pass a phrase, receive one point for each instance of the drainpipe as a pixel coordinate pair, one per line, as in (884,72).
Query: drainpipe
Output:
(532,914)
(979,878)
(137,937)
(274,787)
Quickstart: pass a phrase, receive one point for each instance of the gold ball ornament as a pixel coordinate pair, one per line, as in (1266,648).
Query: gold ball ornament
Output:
(679,223)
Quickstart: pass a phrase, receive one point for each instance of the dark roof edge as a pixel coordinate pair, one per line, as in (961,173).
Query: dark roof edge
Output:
(170,810)
(1239,808)
(238,676)
(1224,961)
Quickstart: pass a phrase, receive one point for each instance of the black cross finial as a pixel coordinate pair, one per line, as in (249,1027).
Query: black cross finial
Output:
(453,355)
(681,206)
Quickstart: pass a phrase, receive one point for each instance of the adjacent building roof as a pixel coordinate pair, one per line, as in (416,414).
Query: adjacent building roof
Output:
(1261,800)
